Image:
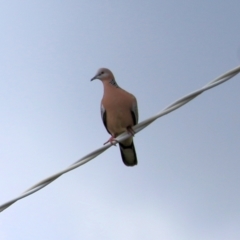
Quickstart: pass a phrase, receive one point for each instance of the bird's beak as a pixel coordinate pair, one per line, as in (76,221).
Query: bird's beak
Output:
(95,77)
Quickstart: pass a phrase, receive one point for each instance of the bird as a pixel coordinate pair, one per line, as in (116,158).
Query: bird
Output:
(119,112)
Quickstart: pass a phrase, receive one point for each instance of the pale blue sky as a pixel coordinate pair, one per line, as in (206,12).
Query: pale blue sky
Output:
(186,185)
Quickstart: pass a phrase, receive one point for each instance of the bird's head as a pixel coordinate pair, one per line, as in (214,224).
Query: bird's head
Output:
(103,74)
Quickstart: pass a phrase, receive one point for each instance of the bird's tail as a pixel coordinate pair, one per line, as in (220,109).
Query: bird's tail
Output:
(128,153)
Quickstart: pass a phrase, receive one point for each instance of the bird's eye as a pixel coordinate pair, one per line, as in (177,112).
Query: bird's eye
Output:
(102,72)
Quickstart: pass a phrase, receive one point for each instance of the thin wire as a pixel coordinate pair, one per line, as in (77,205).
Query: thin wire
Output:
(124,135)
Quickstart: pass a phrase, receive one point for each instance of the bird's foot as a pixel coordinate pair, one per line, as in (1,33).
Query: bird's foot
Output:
(111,140)
(131,131)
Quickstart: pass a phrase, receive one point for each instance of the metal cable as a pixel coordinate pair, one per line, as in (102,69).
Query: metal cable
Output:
(123,136)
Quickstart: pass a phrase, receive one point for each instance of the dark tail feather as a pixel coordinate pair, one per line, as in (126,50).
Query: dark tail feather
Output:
(128,153)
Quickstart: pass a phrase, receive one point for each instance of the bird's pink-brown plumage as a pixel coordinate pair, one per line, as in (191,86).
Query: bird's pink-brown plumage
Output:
(119,113)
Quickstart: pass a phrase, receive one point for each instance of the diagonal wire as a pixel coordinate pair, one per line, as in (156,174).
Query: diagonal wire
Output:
(124,135)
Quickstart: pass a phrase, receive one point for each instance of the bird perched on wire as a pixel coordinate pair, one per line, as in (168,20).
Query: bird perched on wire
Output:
(119,113)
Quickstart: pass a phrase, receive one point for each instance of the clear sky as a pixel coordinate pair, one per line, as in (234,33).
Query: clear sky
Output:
(187,183)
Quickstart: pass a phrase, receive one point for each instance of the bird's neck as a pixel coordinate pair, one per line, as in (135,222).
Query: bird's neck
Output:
(110,83)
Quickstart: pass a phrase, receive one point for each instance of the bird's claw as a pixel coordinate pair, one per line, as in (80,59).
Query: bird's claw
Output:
(111,140)
(131,131)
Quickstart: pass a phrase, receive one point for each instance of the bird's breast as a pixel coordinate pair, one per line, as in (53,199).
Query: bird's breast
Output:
(118,113)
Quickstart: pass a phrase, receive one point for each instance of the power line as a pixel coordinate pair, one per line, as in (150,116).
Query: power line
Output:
(123,136)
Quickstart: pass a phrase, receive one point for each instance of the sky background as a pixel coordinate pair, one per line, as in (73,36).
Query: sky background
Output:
(187,182)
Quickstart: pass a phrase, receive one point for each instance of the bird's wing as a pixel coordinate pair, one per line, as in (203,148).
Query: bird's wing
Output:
(104,117)
(134,112)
